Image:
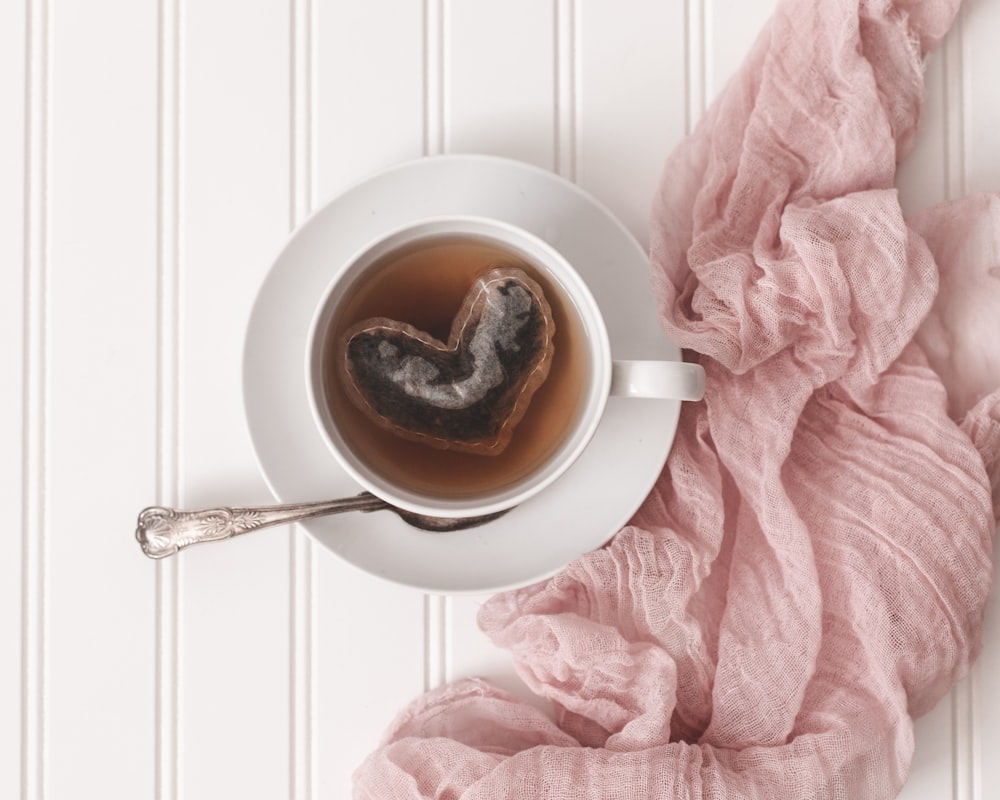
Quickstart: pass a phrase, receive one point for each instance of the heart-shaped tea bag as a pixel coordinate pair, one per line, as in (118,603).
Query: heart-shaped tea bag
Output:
(467,394)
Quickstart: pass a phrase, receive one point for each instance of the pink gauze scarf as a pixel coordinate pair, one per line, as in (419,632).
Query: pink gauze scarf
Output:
(811,570)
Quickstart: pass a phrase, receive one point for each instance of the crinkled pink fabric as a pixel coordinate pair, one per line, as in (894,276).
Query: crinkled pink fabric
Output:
(811,570)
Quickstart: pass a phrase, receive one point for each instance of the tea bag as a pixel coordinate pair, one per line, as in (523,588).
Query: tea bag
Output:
(467,394)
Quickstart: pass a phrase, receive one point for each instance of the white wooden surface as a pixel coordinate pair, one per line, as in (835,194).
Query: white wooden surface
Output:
(154,155)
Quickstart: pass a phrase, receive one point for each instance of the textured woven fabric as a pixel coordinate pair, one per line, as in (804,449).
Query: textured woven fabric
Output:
(811,570)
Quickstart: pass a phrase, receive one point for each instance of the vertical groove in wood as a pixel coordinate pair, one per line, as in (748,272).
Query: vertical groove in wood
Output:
(436,656)
(955,127)
(35,408)
(697,45)
(975,739)
(312,39)
(966,784)
(166,711)
(965,761)
(708,88)
(437,627)
(302,672)
(301,562)
(435,137)
(567,52)
(168,392)
(301,122)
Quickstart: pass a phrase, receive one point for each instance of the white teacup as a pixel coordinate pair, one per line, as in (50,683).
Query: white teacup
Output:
(418,275)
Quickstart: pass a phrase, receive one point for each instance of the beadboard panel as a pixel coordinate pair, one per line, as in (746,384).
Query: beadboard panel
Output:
(368,88)
(498,79)
(235,207)
(161,152)
(99,418)
(729,36)
(933,770)
(636,86)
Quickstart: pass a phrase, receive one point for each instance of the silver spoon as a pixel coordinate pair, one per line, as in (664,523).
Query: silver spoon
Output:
(164,531)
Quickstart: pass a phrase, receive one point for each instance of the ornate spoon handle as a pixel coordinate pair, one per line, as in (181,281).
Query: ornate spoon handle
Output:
(164,531)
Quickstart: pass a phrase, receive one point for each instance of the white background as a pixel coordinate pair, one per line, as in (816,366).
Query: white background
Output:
(154,155)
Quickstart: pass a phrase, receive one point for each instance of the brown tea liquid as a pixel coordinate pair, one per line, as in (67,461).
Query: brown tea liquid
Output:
(424,285)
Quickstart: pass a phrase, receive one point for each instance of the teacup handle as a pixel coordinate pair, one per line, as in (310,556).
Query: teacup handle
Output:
(676,380)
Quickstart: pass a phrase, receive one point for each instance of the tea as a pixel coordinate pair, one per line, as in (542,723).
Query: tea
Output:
(424,284)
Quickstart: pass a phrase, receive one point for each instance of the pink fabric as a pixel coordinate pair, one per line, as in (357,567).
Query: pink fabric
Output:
(811,570)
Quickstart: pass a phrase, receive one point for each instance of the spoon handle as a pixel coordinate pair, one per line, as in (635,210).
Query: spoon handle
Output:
(164,531)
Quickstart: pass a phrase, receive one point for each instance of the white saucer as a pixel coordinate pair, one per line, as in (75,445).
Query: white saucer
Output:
(578,513)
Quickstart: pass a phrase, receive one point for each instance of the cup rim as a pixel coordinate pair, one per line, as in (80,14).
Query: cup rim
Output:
(576,291)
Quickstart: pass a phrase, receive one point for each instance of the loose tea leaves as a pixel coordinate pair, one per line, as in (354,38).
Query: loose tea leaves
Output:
(467,394)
